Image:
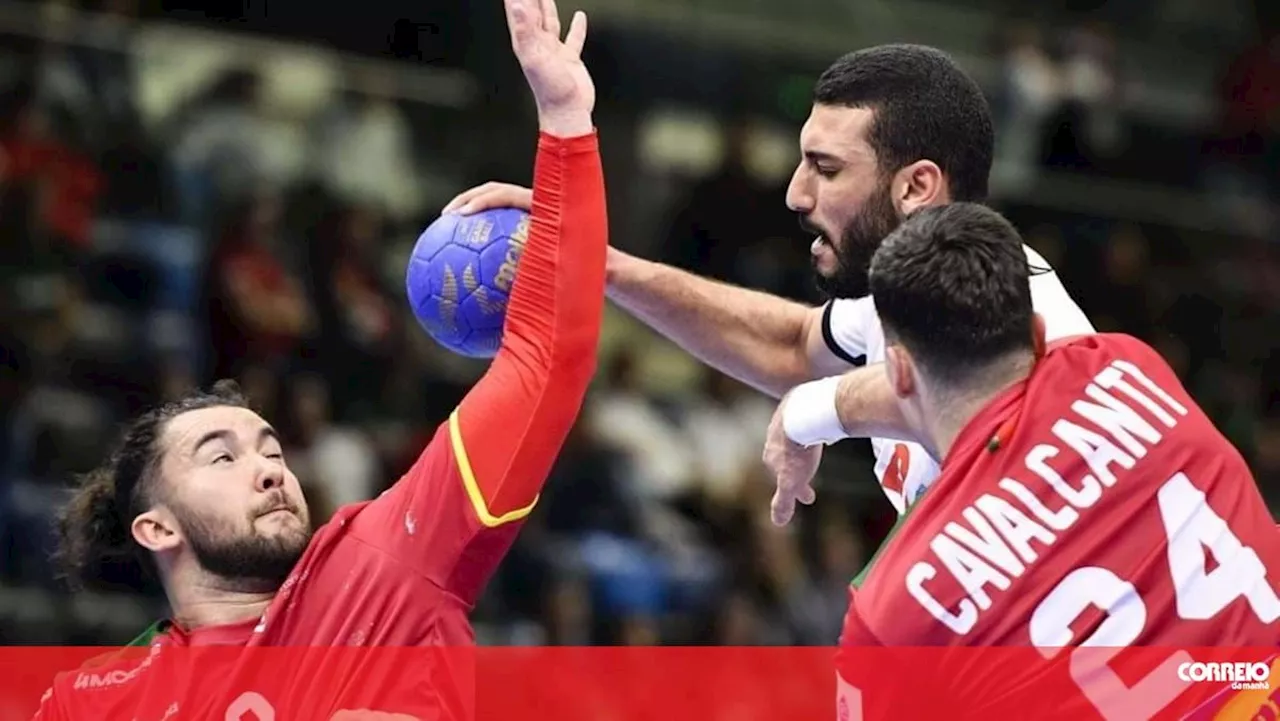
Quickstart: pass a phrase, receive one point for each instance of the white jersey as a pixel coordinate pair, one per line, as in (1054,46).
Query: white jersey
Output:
(851,329)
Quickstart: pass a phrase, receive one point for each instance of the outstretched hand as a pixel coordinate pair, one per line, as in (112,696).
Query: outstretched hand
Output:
(561,85)
(792,466)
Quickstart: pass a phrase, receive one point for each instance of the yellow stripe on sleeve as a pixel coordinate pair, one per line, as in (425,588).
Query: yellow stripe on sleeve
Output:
(473,489)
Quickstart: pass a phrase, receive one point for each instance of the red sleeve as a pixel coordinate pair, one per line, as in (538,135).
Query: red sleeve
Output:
(457,511)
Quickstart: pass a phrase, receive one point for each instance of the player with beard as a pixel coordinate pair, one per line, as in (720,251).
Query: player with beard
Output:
(893,128)
(200,492)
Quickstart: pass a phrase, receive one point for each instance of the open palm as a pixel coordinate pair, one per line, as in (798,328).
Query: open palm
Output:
(553,67)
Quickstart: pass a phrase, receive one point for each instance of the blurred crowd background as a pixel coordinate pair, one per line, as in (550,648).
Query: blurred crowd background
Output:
(189,193)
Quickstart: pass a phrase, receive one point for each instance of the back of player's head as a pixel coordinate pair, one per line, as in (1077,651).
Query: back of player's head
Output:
(926,108)
(94,526)
(952,286)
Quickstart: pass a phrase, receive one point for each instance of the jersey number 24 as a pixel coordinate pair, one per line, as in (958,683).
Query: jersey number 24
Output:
(1190,526)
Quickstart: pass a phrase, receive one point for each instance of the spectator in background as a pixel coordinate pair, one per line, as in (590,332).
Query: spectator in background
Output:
(587,489)
(1126,283)
(627,417)
(1092,89)
(1083,133)
(726,211)
(230,139)
(567,614)
(741,621)
(256,307)
(43,178)
(360,322)
(92,79)
(841,555)
(411,400)
(1245,147)
(93,75)
(782,578)
(1029,93)
(724,425)
(366,155)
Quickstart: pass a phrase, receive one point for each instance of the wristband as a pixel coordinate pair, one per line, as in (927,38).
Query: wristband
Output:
(810,417)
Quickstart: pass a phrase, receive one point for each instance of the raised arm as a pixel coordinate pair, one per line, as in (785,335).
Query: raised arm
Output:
(458,509)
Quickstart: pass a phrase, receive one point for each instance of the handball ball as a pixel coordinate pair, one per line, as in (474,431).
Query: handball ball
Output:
(460,276)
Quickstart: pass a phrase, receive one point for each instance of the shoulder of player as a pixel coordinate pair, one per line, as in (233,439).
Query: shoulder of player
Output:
(1036,262)
(1063,316)
(846,323)
(1112,343)
(110,670)
(849,309)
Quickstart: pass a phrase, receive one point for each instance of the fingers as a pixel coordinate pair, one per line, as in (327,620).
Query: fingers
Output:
(789,492)
(550,17)
(490,195)
(577,36)
(520,21)
(781,508)
(806,495)
(463,198)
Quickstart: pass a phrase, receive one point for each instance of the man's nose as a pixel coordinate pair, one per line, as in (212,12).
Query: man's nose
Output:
(270,476)
(799,197)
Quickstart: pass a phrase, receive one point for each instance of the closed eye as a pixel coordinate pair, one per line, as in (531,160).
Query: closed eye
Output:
(222,458)
(822,164)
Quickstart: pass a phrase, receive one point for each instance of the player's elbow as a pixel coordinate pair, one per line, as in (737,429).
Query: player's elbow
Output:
(573,364)
(780,370)
(566,364)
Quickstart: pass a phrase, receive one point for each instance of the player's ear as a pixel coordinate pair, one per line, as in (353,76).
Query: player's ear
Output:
(901,370)
(156,530)
(918,185)
(1038,335)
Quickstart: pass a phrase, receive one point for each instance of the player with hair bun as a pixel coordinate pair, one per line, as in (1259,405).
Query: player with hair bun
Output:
(200,491)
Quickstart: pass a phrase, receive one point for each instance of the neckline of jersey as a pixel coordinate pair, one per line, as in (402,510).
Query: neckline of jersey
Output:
(980,429)
(227,634)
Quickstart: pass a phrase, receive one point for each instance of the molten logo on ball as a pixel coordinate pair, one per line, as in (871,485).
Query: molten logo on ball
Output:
(460,278)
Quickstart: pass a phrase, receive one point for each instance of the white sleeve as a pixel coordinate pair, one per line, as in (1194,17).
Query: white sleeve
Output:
(847,323)
(1062,317)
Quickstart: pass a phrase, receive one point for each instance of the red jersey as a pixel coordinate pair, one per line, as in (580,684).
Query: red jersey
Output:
(404,570)
(1091,505)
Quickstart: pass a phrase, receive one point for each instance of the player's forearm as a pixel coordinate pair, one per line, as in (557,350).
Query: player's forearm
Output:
(755,337)
(556,307)
(516,419)
(867,406)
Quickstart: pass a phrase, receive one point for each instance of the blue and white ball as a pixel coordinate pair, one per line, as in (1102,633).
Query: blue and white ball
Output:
(460,277)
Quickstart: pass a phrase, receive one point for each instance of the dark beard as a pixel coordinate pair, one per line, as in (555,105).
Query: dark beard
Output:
(251,562)
(858,244)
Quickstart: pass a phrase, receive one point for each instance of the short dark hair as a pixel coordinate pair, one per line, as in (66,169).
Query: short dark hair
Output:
(925,108)
(952,285)
(93,527)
